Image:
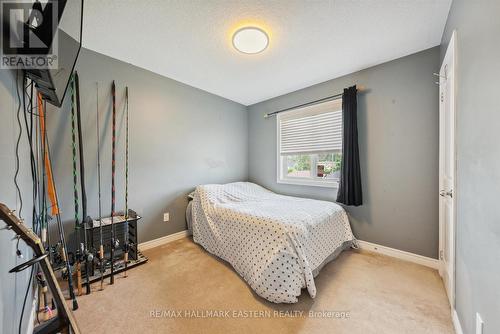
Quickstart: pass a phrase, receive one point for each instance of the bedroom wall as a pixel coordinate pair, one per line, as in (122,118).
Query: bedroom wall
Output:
(398,137)
(478,165)
(13,286)
(180,137)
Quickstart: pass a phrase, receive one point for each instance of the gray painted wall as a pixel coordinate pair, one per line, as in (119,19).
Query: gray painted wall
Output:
(13,286)
(398,136)
(180,137)
(478,160)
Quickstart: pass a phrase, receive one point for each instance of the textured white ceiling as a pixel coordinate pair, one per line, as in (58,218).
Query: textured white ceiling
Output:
(311,41)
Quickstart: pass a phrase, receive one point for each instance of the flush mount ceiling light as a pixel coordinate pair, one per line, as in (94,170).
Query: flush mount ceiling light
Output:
(250,40)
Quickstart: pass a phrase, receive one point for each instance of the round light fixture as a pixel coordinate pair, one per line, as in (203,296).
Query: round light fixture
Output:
(250,40)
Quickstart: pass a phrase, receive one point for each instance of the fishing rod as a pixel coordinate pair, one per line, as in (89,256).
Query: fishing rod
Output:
(55,212)
(126,245)
(43,197)
(79,246)
(101,247)
(43,216)
(114,240)
(87,255)
(39,150)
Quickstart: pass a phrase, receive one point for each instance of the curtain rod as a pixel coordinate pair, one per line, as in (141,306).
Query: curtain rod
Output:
(331,97)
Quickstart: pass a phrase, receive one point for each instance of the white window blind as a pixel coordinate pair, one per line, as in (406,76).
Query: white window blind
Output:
(316,128)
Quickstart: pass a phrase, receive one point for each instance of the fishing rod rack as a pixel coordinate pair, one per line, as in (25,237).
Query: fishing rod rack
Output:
(135,257)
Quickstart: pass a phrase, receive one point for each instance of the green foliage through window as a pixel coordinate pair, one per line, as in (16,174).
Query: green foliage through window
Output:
(326,165)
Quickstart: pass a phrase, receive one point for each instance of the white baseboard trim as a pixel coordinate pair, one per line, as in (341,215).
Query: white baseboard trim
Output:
(399,254)
(163,240)
(365,245)
(456,322)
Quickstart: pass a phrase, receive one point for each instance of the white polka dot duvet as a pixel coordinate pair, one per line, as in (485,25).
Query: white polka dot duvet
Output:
(276,243)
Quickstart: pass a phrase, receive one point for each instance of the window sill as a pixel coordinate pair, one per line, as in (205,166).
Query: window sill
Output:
(312,183)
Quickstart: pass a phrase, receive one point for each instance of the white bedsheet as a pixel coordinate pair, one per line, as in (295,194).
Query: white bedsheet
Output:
(276,243)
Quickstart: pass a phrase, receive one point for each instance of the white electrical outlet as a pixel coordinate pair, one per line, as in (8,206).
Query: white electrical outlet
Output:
(166,217)
(479,324)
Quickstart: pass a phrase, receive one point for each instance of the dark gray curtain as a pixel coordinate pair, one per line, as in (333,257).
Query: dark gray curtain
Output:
(350,192)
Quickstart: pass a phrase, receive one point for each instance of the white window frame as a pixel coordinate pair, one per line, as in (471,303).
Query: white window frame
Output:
(280,167)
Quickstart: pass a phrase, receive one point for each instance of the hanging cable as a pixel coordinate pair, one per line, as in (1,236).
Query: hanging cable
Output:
(20,128)
(34,180)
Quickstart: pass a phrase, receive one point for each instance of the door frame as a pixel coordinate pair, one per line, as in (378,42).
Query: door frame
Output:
(450,57)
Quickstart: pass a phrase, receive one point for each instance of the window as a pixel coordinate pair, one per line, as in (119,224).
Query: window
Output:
(310,145)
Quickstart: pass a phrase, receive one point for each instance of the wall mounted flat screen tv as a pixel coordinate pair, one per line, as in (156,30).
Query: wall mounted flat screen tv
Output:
(61,31)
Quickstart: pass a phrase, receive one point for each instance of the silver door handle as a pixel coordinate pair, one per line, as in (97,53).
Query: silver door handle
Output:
(444,193)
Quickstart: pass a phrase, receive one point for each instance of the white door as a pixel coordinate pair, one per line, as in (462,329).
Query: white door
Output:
(447,168)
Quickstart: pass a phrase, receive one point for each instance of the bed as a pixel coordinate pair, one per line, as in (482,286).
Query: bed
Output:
(277,243)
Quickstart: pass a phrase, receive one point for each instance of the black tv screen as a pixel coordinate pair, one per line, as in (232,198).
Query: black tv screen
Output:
(64,38)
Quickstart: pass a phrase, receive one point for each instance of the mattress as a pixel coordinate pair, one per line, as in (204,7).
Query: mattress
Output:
(276,243)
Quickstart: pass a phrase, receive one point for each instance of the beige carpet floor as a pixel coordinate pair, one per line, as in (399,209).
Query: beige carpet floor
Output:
(357,293)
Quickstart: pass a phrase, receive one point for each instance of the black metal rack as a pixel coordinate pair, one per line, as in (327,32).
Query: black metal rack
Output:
(135,256)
